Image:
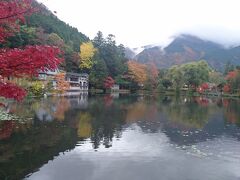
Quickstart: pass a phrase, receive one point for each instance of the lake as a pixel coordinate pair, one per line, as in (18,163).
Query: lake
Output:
(121,137)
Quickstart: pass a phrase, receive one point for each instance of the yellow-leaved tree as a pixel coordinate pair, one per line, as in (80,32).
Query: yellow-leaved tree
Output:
(87,51)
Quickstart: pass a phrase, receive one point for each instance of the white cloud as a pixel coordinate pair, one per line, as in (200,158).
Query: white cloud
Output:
(141,22)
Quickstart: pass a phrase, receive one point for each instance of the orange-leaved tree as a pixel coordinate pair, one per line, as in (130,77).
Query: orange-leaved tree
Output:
(137,72)
(62,85)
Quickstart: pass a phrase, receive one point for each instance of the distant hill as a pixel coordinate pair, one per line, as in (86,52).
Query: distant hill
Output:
(187,48)
(129,53)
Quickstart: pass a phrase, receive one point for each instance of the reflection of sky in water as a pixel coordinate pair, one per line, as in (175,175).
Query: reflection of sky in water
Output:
(138,155)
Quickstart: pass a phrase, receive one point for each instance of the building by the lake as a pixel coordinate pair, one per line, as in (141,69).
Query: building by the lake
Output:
(77,81)
(115,88)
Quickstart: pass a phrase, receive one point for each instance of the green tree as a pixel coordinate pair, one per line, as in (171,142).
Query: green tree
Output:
(176,74)
(99,40)
(55,40)
(26,36)
(113,55)
(216,78)
(98,74)
(196,73)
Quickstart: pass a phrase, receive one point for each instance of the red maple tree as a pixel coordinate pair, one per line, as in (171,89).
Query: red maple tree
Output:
(226,88)
(231,75)
(25,61)
(109,82)
(203,87)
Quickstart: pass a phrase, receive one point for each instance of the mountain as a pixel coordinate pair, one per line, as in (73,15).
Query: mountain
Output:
(129,53)
(187,48)
(46,20)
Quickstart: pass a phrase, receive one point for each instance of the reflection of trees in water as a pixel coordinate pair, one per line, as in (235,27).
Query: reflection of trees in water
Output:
(29,148)
(192,120)
(7,128)
(184,120)
(84,125)
(232,111)
(141,111)
(100,121)
(188,113)
(107,121)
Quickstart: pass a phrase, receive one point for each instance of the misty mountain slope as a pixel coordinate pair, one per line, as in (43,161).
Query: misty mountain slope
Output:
(129,53)
(187,48)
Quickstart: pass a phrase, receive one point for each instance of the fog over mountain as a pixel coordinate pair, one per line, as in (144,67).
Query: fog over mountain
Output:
(223,37)
(186,48)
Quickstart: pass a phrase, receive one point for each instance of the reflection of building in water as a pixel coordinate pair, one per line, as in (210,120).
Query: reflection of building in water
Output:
(77,81)
(44,115)
(55,108)
(80,101)
(115,95)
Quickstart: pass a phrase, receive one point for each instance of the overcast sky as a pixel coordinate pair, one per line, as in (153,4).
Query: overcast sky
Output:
(142,22)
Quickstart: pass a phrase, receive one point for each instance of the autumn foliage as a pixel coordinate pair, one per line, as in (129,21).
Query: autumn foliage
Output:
(137,72)
(12,12)
(226,88)
(87,52)
(62,85)
(108,82)
(152,73)
(233,81)
(203,87)
(231,75)
(25,61)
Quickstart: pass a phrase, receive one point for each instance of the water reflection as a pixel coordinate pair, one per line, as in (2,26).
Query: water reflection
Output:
(127,129)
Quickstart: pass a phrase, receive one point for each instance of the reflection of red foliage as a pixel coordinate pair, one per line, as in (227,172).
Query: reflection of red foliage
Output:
(226,88)
(6,129)
(109,82)
(108,100)
(152,113)
(226,102)
(202,101)
(231,117)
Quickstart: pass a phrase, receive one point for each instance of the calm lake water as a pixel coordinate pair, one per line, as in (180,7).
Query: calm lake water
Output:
(112,137)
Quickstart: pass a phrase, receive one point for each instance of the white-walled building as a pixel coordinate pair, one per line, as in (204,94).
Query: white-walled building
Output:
(77,81)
